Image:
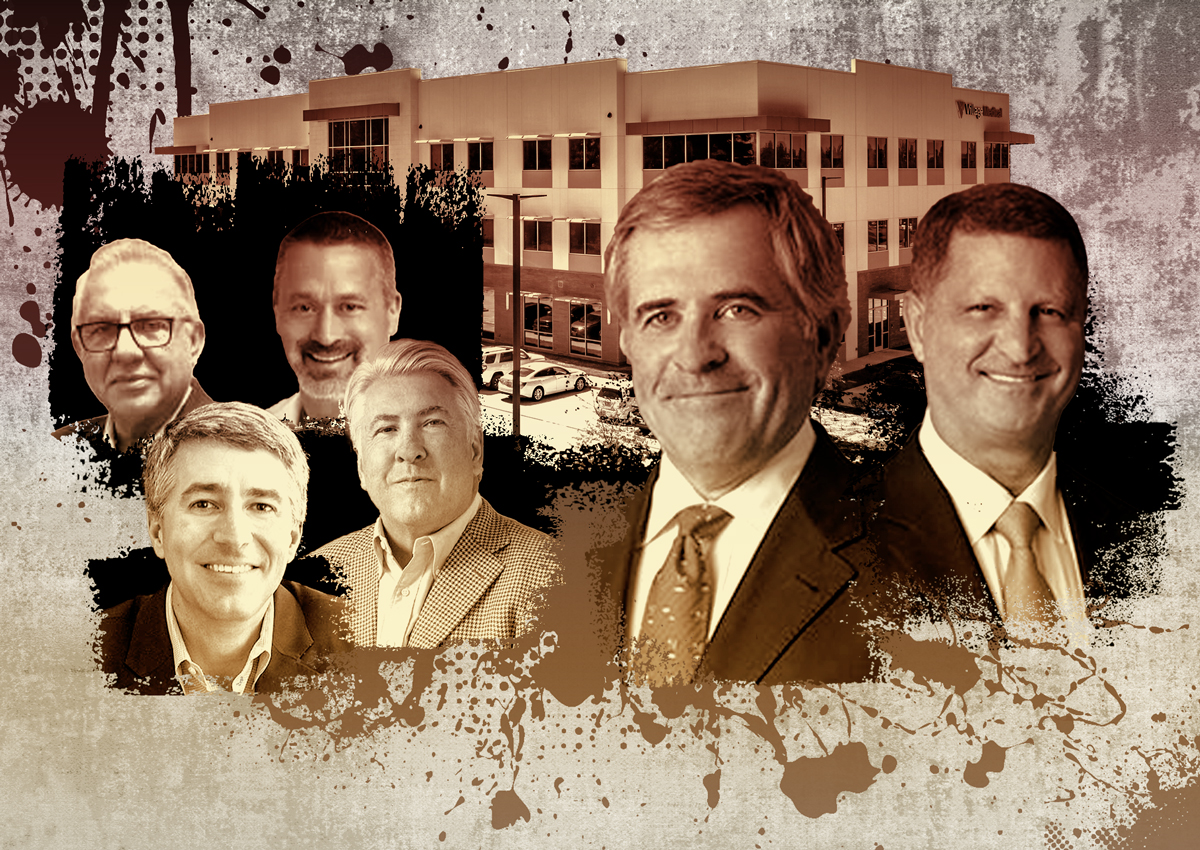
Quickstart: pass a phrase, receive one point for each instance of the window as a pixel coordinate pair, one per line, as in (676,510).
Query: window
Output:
(839,231)
(538,236)
(489,233)
(191,163)
(300,158)
(274,157)
(479,156)
(783,150)
(539,319)
(933,153)
(223,163)
(358,147)
(877,323)
(537,155)
(907,227)
(832,152)
(968,154)
(908,153)
(441,156)
(876,152)
(585,237)
(877,235)
(585,328)
(583,154)
(995,155)
(665,151)
(488,331)
(899,314)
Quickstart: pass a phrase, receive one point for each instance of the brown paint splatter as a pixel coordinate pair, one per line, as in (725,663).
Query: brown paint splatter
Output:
(991,760)
(507,808)
(813,784)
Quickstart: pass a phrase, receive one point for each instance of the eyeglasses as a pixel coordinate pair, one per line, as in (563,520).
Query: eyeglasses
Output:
(147,333)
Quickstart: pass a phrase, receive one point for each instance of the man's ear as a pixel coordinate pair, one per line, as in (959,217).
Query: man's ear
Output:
(914,322)
(76,344)
(195,339)
(297,533)
(394,315)
(156,539)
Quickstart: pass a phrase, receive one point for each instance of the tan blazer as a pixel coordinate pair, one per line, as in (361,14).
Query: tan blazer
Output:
(485,590)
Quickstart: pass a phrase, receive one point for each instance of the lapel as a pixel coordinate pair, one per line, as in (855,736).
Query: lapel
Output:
(150,657)
(472,566)
(796,572)
(288,645)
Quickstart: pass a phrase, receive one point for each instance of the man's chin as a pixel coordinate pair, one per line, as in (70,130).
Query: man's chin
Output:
(324,389)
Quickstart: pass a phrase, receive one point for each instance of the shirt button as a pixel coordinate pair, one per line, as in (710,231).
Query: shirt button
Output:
(405,592)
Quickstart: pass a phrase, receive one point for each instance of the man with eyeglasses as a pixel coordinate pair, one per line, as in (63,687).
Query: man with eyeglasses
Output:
(138,334)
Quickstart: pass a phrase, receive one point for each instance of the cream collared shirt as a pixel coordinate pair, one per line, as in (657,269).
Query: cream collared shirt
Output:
(288,409)
(403,587)
(110,433)
(979,500)
(189,674)
(753,506)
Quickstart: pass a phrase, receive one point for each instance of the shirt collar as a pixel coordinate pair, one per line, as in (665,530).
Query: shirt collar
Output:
(262,646)
(978,498)
(755,500)
(443,540)
(110,432)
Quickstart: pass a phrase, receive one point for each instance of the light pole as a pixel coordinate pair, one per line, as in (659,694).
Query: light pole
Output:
(517,310)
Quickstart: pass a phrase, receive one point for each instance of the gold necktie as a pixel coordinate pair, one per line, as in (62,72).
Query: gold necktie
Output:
(1026,594)
(675,628)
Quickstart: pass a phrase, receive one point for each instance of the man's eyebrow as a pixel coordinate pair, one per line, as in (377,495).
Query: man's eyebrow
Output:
(650,306)
(743,295)
(263,493)
(433,408)
(201,488)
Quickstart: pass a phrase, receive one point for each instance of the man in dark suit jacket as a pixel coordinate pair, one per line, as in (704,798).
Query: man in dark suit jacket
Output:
(978,515)
(138,335)
(225,503)
(744,548)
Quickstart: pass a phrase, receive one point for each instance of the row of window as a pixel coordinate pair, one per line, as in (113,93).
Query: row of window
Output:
(583,236)
(355,144)
(298,158)
(539,323)
(877,234)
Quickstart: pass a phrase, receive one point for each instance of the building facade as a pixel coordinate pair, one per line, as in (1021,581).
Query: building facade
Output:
(875,147)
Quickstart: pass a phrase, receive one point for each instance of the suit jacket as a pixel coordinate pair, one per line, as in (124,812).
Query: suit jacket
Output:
(93,429)
(134,644)
(796,614)
(485,590)
(922,545)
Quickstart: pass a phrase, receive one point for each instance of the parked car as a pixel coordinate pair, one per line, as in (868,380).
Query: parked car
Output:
(497,362)
(617,401)
(537,381)
(586,328)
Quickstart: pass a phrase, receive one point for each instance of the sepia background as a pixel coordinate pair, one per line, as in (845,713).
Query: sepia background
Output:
(1095,749)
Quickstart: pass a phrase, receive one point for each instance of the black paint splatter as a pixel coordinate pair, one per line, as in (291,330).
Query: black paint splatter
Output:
(358,58)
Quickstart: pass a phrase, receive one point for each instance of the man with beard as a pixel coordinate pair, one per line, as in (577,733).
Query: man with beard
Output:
(335,303)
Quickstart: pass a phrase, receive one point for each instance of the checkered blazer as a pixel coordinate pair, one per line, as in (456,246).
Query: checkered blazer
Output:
(484,591)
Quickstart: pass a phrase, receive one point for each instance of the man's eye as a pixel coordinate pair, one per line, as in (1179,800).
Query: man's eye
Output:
(201,504)
(737,311)
(658,320)
(353,308)
(979,308)
(301,308)
(385,429)
(1052,311)
(264,507)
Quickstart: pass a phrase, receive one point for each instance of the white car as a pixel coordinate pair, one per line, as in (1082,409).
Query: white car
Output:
(539,380)
(497,363)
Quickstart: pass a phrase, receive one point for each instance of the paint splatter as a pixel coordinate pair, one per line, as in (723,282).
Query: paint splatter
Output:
(270,74)
(45,136)
(358,58)
(813,784)
(620,39)
(991,760)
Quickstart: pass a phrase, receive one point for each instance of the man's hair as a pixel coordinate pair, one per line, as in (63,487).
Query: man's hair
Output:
(340,228)
(413,357)
(1005,208)
(130,251)
(233,423)
(806,250)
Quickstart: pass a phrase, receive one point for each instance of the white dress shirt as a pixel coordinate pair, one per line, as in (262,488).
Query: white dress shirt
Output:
(189,674)
(979,501)
(753,506)
(403,587)
(110,431)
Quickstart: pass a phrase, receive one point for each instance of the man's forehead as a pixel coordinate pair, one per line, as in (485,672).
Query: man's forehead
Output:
(413,394)
(141,288)
(208,465)
(988,250)
(348,262)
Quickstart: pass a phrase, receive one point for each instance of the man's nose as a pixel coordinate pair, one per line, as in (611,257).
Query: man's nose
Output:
(699,347)
(1018,336)
(410,445)
(232,529)
(329,326)
(126,348)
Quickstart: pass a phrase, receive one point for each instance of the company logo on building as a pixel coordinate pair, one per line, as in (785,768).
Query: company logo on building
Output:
(965,108)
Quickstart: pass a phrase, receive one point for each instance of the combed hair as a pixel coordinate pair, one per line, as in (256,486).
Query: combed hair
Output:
(338,228)
(233,423)
(128,251)
(413,357)
(1006,208)
(807,254)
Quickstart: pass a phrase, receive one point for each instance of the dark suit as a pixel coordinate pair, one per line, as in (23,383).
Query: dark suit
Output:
(135,646)
(794,616)
(923,548)
(92,429)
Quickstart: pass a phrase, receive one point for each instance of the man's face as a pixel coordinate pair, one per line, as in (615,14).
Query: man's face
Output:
(724,370)
(330,312)
(136,384)
(417,458)
(1001,337)
(226,530)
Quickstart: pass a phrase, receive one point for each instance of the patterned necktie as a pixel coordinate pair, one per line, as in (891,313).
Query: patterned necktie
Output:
(675,628)
(1026,594)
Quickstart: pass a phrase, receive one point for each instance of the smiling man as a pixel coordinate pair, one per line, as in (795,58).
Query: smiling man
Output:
(439,565)
(335,303)
(744,545)
(225,500)
(977,513)
(138,334)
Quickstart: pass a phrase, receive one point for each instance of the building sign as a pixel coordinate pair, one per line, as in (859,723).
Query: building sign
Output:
(965,108)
